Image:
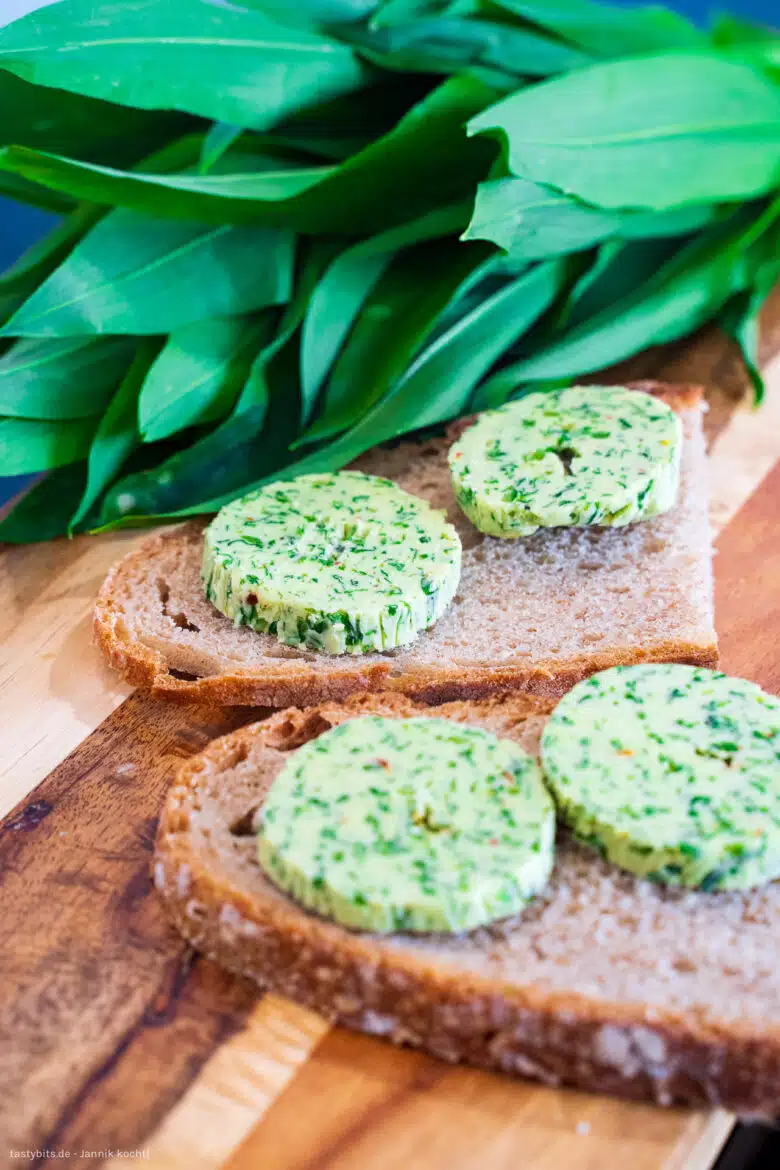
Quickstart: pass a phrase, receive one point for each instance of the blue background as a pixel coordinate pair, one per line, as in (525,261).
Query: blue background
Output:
(20,226)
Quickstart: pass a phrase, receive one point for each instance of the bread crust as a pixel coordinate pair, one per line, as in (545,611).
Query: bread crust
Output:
(283,685)
(564,1037)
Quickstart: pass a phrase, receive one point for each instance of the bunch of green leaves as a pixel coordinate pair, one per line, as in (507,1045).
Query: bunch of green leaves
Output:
(290,232)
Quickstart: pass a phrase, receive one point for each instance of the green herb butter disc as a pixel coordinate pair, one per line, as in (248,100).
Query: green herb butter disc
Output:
(413,825)
(585,455)
(671,772)
(344,563)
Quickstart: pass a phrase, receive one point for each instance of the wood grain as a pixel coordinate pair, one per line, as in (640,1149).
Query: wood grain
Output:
(105,1016)
(391,1109)
(113,1035)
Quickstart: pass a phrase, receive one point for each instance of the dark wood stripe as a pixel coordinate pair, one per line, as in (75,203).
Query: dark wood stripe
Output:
(104,1017)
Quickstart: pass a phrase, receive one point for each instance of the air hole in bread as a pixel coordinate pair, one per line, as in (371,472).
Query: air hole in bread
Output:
(179,619)
(294,732)
(182,675)
(182,621)
(237,755)
(246,824)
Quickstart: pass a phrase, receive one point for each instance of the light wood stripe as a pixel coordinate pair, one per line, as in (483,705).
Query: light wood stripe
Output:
(234,1089)
(745,452)
(46,637)
(391,1109)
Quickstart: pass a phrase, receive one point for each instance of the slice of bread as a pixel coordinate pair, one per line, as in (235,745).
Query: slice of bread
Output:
(605,981)
(531,615)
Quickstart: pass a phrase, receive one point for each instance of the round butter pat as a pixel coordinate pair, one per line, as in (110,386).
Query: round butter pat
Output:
(586,455)
(342,563)
(671,772)
(409,825)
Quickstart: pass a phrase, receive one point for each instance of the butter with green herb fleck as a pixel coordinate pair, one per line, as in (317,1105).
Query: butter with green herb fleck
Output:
(586,455)
(340,563)
(671,772)
(408,825)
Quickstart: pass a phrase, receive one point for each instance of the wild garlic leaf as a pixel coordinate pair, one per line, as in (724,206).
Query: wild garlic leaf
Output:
(117,434)
(61,378)
(428,147)
(531,221)
(141,275)
(675,300)
(218,140)
(450,44)
(255,437)
(652,132)
(19,281)
(343,289)
(606,30)
(393,322)
(440,382)
(43,512)
(315,13)
(29,445)
(197,376)
(224,63)
(740,318)
(82,127)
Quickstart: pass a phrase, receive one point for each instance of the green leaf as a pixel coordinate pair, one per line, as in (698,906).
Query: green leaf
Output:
(440,382)
(255,438)
(23,190)
(334,306)
(40,260)
(198,375)
(223,63)
(394,321)
(50,119)
(677,299)
(117,434)
(732,30)
(343,289)
(620,267)
(133,274)
(315,13)
(446,44)
(652,132)
(740,319)
(219,139)
(607,30)
(61,378)
(532,222)
(679,221)
(43,512)
(258,188)
(28,445)
(428,148)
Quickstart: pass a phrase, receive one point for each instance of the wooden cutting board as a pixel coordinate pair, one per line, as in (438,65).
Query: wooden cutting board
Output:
(116,1039)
